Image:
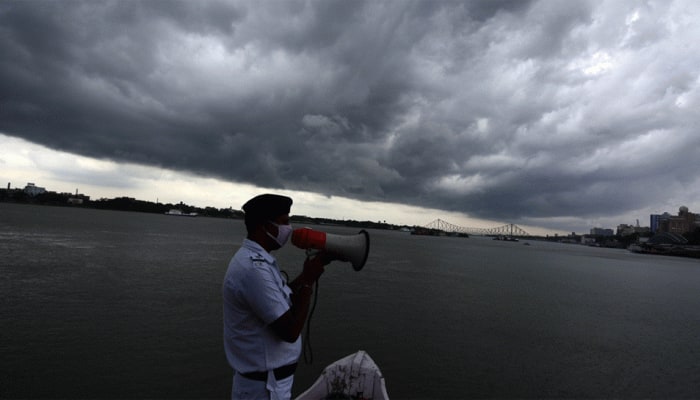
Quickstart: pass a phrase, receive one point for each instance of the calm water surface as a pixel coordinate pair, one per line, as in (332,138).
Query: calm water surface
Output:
(106,304)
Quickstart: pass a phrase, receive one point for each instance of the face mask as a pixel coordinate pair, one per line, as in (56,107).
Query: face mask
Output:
(283,233)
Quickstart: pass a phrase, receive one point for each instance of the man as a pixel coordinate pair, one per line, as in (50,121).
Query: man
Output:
(263,316)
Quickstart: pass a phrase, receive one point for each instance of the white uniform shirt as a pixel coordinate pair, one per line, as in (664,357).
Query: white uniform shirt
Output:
(255,295)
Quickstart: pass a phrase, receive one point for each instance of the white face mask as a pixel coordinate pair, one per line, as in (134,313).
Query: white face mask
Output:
(283,233)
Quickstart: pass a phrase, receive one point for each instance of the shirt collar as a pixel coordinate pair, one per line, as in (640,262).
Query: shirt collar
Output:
(255,247)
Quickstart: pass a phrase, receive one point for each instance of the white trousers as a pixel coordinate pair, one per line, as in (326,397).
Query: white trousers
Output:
(249,389)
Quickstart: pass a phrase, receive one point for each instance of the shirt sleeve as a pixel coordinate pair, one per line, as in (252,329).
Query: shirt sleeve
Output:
(265,295)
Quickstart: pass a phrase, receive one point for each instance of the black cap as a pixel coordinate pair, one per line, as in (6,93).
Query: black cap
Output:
(267,206)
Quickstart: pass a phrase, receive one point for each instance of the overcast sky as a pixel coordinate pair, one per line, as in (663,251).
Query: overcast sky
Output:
(563,115)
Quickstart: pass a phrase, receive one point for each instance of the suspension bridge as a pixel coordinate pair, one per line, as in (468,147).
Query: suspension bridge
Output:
(505,230)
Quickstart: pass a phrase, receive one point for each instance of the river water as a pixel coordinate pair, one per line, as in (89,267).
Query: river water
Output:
(107,304)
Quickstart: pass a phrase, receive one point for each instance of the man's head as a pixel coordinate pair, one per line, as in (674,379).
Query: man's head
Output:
(263,216)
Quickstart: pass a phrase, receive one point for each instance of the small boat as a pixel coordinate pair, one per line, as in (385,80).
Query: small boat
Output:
(179,213)
(354,377)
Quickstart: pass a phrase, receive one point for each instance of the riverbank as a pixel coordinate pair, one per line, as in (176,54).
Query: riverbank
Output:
(666,250)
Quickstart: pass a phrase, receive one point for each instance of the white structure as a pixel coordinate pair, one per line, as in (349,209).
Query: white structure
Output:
(33,190)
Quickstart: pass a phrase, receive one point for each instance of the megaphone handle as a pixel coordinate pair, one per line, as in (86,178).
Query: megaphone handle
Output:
(311,253)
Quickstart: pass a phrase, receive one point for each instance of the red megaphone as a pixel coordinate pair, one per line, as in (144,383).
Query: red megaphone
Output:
(351,248)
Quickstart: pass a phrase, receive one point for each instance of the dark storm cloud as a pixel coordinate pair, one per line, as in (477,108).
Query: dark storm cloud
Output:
(509,110)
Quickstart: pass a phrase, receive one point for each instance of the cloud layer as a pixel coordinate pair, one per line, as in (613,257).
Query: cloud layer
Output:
(515,111)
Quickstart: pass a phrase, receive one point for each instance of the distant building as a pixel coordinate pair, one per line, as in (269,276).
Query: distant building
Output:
(627,230)
(684,222)
(602,232)
(77,199)
(33,190)
(655,221)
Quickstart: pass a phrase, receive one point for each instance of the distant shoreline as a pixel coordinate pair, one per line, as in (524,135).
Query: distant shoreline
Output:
(17,196)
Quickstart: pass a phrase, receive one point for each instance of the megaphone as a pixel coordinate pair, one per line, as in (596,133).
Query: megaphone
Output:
(352,248)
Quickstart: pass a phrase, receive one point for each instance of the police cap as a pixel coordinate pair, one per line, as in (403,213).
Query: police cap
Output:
(266,207)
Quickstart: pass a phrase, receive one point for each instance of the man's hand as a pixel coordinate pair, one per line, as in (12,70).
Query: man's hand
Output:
(290,324)
(313,266)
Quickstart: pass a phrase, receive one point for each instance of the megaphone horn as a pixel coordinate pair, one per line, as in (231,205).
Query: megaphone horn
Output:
(352,248)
